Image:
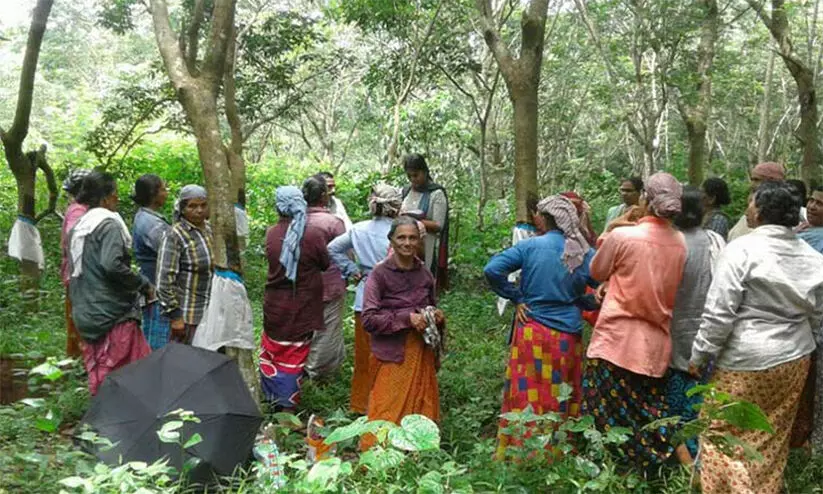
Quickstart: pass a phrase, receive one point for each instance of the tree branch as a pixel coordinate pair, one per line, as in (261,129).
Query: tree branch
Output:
(20,126)
(193,33)
(43,164)
(169,48)
(492,37)
(222,22)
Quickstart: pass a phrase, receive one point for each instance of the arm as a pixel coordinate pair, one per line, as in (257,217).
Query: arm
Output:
(723,300)
(587,263)
(438,209)
(498,270)
(604,261)
(168,267)
(115,260)
(379,320)
(338,250)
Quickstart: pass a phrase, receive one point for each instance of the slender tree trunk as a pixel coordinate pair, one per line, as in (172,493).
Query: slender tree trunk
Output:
(697,117)
(484,179)
(24,167)
(392,154)
(763,127)
(525,148)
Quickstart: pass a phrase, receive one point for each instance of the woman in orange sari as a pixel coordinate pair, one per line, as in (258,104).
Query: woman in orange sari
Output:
(404,367)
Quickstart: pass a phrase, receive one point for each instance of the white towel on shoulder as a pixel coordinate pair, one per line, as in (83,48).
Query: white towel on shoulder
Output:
(85,227)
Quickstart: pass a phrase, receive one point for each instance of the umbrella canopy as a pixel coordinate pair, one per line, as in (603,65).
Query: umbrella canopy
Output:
(133,402)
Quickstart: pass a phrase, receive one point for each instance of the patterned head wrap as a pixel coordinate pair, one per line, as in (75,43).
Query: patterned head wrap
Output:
(574,196)
(565,217)
(187,193)
(290,202)
(72,183)
(770,171)
(386,196)
(663,193)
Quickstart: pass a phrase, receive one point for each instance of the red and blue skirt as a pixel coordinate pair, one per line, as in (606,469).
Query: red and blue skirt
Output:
(281,369)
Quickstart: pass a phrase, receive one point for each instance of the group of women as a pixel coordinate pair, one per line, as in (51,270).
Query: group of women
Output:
(390,259)
(311,253)
(677,307)
(671,305)
(107,302)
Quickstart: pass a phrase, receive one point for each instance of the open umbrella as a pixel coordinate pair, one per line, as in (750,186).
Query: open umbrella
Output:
(133,403)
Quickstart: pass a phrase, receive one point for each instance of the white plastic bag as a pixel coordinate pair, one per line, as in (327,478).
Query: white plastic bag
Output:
(228,317)
(25,243)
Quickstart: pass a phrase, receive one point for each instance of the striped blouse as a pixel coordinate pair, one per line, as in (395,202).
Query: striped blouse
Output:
(184,270)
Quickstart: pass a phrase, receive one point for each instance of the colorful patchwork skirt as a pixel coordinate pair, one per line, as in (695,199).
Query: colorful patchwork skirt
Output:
(155,326)
(122,345)
(281,369)
(541,360)
(681,405)
(777,392)
(617,397)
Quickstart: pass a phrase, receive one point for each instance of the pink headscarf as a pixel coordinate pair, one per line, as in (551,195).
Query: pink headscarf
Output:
(770,171)
(663,193)
(565,217)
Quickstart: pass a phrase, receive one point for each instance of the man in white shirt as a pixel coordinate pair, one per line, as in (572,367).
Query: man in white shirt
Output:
(336,205)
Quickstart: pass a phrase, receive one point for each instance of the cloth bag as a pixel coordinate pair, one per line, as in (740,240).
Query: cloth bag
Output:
(228,318)
(25,243)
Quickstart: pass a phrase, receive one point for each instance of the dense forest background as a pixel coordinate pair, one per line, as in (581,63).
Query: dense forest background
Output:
(503,98)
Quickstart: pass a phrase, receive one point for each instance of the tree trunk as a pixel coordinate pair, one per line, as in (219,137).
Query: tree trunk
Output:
(697,117)
(763,127)
(525,149)
(392,154)
(484,179)
(200,105)
(24,167)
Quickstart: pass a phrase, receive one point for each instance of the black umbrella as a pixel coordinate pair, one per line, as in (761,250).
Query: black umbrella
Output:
(133,403)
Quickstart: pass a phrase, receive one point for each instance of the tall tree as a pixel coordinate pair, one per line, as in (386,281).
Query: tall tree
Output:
(24,166)
(778,25)
(522,77)
(695,108)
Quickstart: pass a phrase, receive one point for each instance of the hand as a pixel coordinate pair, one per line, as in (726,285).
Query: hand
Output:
(802,227)
(150,293)
(694,370)
(418,322)
(520,311)
(439,317)
(178,326)
(600,293)
(355,278)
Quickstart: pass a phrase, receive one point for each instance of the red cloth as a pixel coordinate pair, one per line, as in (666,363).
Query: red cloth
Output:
(292,311)
(590,316)
(122,345)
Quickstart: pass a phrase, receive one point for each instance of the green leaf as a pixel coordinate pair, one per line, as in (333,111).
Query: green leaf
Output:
(33,402)
(580,425)
(746,416)
(356,429)
(193,441)
(324,472)
(287,418)
(169,432)
(48,370)
(76,482)
(416,433)
(190,464)
(565,392)
(49,423)
(379,459)
(431,483)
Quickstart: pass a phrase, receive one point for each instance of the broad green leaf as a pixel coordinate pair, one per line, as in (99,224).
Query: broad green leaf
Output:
(746,416)
(138,466)
(581,424)
(190,464)
(565,392)
(416,433)
(357,428)
(33,402)
(431,483)
(324,472)
(193,441)
(48,370)
(379,460)
(287,418)
(169,432)
(76,482)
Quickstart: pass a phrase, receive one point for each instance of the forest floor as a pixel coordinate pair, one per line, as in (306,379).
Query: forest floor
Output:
(33,458)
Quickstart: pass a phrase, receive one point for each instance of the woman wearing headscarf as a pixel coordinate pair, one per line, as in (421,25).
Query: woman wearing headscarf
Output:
(763,172)
(427,199)
(103,288)
(702,250)
(293,301)
(185,265)
(547,347)
(404,366)
(148,231)
(74,211)
(631,346)
(369,240)
(764,303)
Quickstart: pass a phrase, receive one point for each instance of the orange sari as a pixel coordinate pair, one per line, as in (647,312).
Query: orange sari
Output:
(406,388)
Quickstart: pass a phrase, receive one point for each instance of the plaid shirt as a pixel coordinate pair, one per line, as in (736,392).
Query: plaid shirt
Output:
(184,270)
